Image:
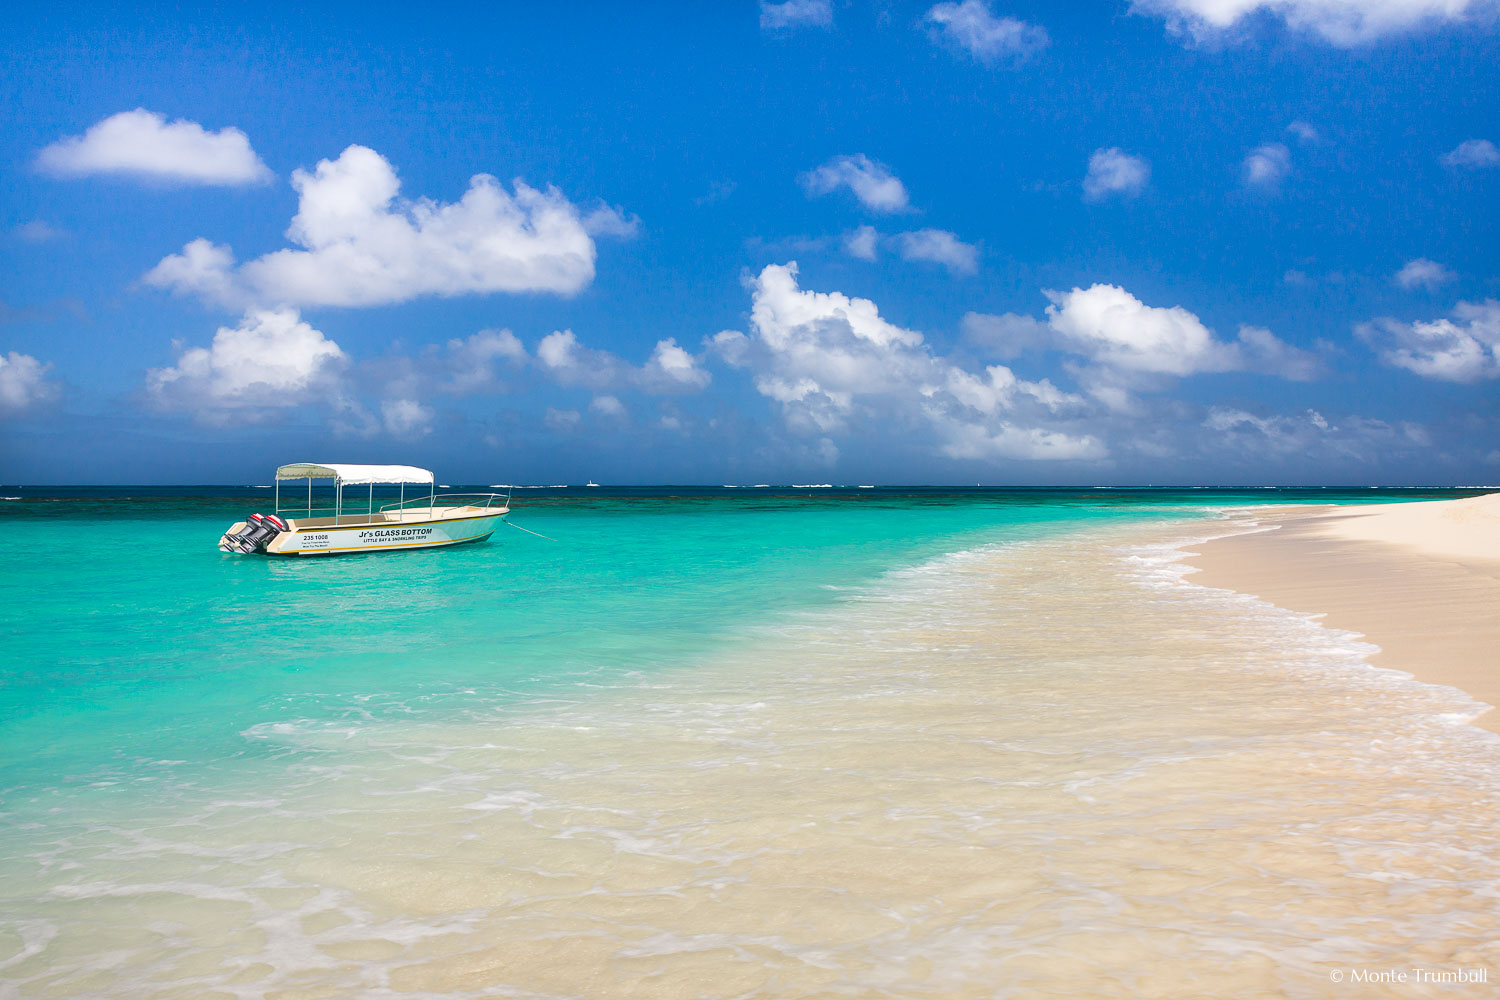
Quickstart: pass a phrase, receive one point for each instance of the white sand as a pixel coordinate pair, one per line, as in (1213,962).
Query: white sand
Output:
(1420,580)
(1467,530)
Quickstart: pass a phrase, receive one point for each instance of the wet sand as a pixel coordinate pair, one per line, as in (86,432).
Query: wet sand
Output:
(1420,580)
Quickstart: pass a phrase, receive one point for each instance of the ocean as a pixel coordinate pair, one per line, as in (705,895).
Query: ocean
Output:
(716,743)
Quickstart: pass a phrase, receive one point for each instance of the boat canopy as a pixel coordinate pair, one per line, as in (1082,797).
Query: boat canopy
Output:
(349,475)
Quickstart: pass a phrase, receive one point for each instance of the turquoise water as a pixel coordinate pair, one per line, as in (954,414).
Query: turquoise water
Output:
(136,652)
(711,743)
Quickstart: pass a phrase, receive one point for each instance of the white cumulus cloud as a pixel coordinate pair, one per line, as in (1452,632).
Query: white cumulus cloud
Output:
(795,14)
(669,370)
(1423,273)
(831,361)
(872,183)
(144,143)
(971,27)
(1473,154)
(1268,165)
(271,360)
(938,246)
(1114,171)
(931,246)
(362,246)
(24,383)
(1114,328)
(672,368)
(1465,348)
(1341,22)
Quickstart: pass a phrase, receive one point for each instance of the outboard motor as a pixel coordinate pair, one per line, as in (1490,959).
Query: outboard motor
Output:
(259,529)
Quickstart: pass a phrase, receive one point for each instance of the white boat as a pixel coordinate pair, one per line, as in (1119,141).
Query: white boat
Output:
(295,528)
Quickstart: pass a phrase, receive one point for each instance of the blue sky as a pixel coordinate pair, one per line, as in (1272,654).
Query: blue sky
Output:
(1176,241)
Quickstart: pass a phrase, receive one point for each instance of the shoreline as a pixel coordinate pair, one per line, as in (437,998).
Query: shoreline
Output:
(1420,580)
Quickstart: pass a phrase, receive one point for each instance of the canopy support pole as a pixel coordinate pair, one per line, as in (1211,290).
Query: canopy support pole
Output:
(370,518)
(309,496)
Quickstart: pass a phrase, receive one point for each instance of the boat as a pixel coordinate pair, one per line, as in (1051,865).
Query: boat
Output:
(329,527)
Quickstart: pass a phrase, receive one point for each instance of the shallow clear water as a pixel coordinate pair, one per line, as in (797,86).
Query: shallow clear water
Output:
(872,743)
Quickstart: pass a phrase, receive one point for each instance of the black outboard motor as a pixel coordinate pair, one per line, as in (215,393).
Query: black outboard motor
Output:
(259,529)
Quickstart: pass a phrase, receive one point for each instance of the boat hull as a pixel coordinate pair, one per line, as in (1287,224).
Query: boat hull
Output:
(323,541)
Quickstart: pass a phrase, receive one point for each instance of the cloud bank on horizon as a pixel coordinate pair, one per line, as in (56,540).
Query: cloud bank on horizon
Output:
(947,318)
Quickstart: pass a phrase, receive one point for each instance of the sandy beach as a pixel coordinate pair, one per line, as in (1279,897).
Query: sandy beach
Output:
(1420,580)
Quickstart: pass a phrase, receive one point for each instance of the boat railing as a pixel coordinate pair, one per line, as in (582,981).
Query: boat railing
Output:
(414,505)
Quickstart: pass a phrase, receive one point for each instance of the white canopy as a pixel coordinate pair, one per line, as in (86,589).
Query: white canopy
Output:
(356,474)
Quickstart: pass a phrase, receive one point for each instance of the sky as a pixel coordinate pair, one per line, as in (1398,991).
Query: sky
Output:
(1207,242)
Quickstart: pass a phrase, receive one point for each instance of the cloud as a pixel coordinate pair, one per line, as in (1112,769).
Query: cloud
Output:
(863,243)
(1463,349)
(1305,133)
(406,418)
(669,370)
(1341,22)
(471,362)
(145,144)
(1114,171)
(203,269)
(37,231)
(672,368)
(970,27)
(1114,328)
(1267,166)
(1007,336)
(563,421)
(938,246)
(830,362)
(462,367)
(612,221)
(560,355)
(364,247)
(24,383)
(1111,327)
(608,406)
(1423,273)
(872,183)
(271,360)
(933,246)
(1473,154)
(795,14)
(1309,433)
